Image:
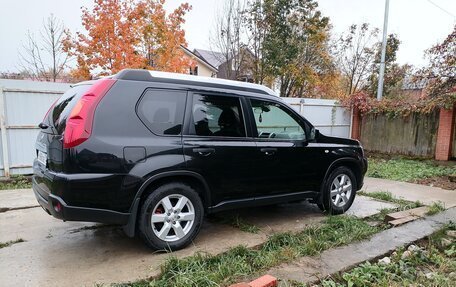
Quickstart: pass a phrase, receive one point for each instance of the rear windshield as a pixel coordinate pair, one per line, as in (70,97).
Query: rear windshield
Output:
(58,115)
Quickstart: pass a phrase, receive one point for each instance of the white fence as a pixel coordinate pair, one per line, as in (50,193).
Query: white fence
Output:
(326,115)
(23,105)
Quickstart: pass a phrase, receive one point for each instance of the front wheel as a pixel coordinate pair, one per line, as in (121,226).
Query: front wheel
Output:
(171,217)
(339,191)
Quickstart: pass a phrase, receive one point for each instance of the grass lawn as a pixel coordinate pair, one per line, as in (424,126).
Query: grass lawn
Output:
(223,269)
(15,182)
(433,263)
(420,171)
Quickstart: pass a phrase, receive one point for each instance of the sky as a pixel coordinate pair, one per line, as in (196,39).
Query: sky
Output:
(418,23)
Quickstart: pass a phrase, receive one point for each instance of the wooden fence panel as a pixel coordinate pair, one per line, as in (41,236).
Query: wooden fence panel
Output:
(413,135)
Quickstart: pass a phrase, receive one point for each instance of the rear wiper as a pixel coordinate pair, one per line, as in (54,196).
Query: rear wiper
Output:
(43,126)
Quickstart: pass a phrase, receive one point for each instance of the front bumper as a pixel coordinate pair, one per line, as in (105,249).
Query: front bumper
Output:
(364,170)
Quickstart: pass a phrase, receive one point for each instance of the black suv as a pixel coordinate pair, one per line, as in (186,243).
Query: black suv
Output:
(156,151)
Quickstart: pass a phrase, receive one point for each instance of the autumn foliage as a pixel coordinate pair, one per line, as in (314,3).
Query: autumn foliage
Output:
(128,34)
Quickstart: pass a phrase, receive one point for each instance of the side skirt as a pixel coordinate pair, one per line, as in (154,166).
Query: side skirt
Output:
(263,200)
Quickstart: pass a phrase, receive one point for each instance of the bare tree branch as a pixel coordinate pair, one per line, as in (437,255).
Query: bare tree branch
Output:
(43,57)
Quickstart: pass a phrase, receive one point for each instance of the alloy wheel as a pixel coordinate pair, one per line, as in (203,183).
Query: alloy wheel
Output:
(173,217)
(341,190)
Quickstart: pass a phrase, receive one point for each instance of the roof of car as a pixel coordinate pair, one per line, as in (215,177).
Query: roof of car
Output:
(156,76)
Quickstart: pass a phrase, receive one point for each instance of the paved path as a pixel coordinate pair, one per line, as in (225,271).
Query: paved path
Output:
(17,198)
(57,253)
(310,269)
(412,192)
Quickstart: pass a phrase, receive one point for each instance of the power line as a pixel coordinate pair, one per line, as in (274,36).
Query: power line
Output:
(443,9)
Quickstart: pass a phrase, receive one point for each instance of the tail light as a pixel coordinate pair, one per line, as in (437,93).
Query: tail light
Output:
(79,124)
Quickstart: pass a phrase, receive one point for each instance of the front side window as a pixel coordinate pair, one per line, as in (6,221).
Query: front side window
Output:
(219,116)
(273,121)
(162,111)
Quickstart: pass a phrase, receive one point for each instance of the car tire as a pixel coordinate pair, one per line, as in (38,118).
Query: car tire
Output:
(339,191)
(171,217)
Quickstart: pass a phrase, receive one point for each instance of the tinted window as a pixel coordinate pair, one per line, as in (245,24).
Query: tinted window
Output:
(162,111)
(58,115)
(217,116)
(273,121)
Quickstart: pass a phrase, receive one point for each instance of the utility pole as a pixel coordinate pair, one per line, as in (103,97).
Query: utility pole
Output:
(382,61)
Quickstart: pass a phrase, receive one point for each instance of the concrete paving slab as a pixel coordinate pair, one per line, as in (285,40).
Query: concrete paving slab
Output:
(57,253)
(365,206)
(310,269)
(412,192)
(17,198)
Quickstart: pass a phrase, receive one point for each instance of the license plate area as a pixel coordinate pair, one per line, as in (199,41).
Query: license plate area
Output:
(42,157)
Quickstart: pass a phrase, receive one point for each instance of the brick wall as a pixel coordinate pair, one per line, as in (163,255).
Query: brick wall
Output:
(356,124)
(445,134)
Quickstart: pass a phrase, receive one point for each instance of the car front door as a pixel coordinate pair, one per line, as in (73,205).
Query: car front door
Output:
(217,146)
(288,163)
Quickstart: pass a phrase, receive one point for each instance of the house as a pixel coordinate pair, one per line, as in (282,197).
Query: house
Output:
(216,64)
(205,66)
(413,89)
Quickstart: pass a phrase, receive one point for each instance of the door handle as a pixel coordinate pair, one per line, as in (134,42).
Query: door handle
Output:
(204,151)
(268,150)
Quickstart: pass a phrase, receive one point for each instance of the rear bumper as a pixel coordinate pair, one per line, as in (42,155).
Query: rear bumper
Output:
(57,207)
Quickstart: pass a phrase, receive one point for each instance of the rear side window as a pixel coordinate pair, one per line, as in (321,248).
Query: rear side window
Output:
(162,111)
(62,109)
(219,116)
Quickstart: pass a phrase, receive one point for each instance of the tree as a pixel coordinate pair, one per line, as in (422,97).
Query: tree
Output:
(110,41)
(441,71)
(161,36)
(355,54)
(227,37)
(394,73)
(44,57)
(129,34)
(310,58)
(257,26)
(289,41)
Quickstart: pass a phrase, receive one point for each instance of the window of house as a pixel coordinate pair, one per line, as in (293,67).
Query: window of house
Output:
(217,116)
(273,121)
(162,111)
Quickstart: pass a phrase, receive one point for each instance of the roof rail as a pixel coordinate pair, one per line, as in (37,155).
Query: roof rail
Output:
(152,76)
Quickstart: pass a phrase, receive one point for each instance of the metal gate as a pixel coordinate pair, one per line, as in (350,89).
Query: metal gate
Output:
(23,105)
(328,116)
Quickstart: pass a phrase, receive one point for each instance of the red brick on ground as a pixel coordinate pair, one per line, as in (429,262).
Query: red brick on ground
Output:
(264,281)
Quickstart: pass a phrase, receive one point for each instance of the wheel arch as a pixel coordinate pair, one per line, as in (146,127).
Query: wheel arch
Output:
(348,162)
(194,179)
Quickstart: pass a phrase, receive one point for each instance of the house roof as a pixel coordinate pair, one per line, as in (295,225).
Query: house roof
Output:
(215,59)
(198,57)
(409,83)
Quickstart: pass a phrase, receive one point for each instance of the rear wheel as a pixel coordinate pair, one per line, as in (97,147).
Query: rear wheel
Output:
(171,217)
(339,191)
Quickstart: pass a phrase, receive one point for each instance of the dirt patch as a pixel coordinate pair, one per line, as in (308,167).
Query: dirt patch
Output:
(438,181)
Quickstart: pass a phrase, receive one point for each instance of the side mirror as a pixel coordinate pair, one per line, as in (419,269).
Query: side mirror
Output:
(314,133)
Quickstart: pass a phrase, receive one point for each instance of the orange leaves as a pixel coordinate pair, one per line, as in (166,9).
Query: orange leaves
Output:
(162,36)
(129,34)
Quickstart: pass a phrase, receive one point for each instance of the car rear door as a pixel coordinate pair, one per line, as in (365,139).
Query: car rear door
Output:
(49,144)
(217,145)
